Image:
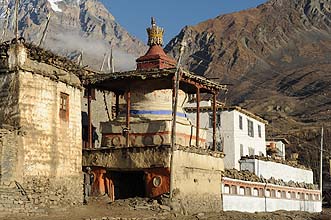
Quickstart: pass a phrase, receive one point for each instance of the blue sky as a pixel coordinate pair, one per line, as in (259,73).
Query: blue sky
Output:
(172,15)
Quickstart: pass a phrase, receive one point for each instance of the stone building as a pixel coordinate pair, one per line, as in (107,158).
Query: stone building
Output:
(40,130)
(136,145)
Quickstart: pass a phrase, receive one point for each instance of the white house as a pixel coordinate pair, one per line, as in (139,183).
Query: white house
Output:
(241,136)
(278,145)
(240,132)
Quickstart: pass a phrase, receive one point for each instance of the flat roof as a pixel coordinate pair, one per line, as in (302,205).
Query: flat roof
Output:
(162,79)
(284,140)
(39,54)
(221,107)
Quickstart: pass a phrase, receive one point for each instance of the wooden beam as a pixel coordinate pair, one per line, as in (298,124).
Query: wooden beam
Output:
(198,118)
(214,121)
(128,109)
(89,114)
(117,105)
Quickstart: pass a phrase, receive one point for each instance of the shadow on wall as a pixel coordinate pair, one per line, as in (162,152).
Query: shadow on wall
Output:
(95,136)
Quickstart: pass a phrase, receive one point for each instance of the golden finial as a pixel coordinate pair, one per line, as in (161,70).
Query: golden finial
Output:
(155,34)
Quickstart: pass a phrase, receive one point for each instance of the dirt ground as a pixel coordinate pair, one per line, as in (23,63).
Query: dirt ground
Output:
(140,209)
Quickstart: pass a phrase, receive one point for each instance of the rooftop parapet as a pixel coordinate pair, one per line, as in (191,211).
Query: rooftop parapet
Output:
(22,55)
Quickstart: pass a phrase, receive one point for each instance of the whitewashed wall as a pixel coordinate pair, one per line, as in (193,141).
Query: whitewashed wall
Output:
(246,196)
(232,136)
(257,204)
(277,170)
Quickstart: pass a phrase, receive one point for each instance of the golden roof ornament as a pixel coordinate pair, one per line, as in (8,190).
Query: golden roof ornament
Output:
(155,34)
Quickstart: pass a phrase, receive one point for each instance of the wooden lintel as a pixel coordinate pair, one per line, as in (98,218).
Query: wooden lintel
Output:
(198,85)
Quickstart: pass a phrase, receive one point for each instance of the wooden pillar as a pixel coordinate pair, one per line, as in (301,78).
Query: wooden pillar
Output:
(214,121)
(117,105)
(128,109)
(176,81)
(90,129)
(174,114)
(110,189)
(198,118)
(99,187)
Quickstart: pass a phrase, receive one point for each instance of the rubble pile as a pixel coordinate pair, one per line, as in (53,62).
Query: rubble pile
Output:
(241,175)
(200,150)
(248,176)
(285,162)
(159,205)
(48,57)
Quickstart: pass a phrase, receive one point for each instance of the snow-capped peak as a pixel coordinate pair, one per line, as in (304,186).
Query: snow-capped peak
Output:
(54,6)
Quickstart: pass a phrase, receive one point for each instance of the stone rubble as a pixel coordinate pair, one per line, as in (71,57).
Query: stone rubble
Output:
(286,162)
(248,176)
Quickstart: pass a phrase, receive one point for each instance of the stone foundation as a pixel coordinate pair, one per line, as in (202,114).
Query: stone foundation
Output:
(14,202)
(39,194)
(62,192)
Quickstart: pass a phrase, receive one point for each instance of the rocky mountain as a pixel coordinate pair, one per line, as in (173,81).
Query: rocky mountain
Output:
(277,59)
(74,26)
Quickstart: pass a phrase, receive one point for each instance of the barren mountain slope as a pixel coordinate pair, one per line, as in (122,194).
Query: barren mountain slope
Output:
(277,58)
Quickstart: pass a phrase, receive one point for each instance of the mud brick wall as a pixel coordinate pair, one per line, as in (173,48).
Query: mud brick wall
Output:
(11,156)
(52,145)
(42,158)
(9,112)
(197,182)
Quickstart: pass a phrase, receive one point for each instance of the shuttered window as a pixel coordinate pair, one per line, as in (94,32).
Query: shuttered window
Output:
(64,106)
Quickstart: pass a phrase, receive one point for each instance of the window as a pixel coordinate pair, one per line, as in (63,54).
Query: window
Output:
(233,190)
(226,189)
(242,191)
(284,195)
(278,194)
(192,97)
(251,151)
(64,106)
(219,146)
(299,195)
(267,193)
(248,191)
(250,128)
(259,130)
(240,122)
(211,120)
(218,120)
(241,150)
(92,93)
(255,192)
(273,193)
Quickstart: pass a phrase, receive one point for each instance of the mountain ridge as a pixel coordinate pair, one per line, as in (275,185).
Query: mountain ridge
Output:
(277,59)
(75,26)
